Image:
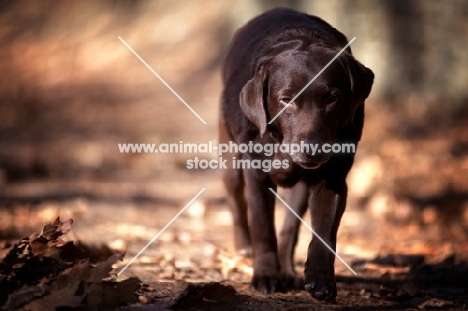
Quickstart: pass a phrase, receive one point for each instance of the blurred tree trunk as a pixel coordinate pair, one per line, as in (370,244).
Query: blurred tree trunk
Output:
(406,42)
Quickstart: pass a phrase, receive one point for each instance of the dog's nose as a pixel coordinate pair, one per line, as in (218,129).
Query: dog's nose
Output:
(312,155)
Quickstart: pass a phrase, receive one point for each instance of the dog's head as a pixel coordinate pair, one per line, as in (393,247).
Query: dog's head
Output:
(321,110)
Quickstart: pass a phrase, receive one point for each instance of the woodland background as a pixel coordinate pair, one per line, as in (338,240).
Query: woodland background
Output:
(70,91)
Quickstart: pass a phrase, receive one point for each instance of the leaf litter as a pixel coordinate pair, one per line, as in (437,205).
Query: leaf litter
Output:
(45,272)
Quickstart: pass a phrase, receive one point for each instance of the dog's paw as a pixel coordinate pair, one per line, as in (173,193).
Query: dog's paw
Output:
(266,284)
(320,286)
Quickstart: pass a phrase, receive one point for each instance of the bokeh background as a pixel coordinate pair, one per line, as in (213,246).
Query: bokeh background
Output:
(70,91)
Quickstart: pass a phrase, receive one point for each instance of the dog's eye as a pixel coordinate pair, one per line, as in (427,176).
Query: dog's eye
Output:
(330,99)
(285,100)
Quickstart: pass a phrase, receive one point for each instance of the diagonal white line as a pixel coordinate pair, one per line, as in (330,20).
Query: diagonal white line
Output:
(159,233)
(313,79)
(162,80)
(313,232)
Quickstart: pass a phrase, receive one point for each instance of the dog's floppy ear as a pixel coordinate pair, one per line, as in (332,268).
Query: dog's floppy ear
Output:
(253,95)
(251,100)
(361,79)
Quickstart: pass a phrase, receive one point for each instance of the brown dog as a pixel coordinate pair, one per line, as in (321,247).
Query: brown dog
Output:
(270,60)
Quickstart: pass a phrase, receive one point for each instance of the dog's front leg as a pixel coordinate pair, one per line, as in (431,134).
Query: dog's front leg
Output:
(296,197)
(327,203)
(261,201)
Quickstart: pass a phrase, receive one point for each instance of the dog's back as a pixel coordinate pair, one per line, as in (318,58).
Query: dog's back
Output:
(248,40)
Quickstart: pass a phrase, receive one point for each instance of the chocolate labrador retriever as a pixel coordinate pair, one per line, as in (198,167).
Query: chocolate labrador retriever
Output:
(270,60)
